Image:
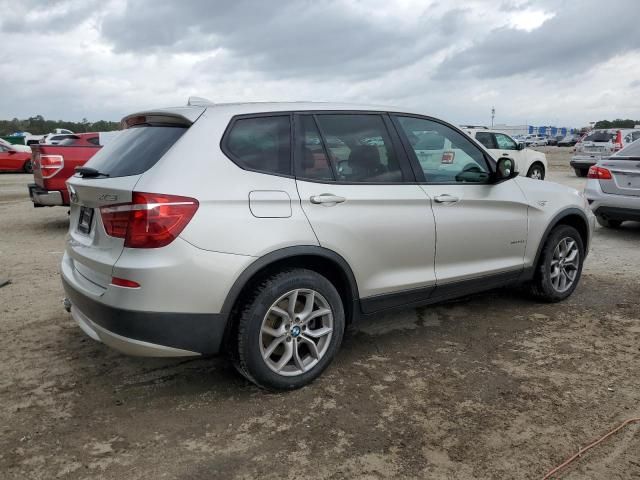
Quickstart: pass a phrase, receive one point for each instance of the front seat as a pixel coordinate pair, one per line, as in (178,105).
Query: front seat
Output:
(364,161)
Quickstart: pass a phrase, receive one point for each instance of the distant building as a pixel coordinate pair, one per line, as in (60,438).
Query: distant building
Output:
(532,129)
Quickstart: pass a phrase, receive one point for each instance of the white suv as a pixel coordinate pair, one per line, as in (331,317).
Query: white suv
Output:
(530,163)
(263,230)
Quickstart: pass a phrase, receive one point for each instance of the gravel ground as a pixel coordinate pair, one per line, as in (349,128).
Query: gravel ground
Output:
(491,386)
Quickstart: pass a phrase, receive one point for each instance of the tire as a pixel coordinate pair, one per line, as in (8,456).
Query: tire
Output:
(291,336)
(581,172)
(547,282)
(536,171)
(27,167)
(608,223)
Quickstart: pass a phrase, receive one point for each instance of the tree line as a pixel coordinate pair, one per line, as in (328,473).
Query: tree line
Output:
(38,125)
(617,123)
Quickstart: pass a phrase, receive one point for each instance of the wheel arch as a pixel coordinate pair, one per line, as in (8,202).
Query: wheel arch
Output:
(321,260)
(574,217)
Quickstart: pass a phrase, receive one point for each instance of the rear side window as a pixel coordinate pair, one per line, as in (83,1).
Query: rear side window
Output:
(486,139)
(360,148)
(135,150)
(262,144)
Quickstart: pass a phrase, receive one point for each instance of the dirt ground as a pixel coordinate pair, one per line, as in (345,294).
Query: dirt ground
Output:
(491,386)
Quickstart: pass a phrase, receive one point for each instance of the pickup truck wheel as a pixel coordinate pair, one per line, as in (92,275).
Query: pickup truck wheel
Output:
(560,265)
(608,223)
(289,330)
(581,172)
(536,171)
(27,167)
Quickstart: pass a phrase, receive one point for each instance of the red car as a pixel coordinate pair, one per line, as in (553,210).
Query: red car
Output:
(54,164)
(14,161)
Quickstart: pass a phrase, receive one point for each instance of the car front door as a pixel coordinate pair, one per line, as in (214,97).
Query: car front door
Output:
(481,227)
(359,193)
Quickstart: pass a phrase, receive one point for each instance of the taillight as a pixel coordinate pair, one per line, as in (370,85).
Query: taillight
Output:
(50,165)
(151,220)
(617,145)
(599,173)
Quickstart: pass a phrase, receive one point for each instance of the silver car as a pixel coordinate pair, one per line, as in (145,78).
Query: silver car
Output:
(262,230)
(613,187)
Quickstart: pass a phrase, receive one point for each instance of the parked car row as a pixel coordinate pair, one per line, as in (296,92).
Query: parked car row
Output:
(599,144)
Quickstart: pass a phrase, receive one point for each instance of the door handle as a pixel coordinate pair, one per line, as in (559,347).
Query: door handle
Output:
(505,154)
(446,198)
(326,198)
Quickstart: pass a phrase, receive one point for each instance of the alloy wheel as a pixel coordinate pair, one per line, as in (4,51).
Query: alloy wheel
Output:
(296,332)
(565,264)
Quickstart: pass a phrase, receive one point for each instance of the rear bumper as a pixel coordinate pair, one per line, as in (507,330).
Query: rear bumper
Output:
(610,206)
(584,161)
(617,213)
(44,198)
(151,334)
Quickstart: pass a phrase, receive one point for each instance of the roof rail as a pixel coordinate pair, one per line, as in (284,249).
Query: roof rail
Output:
(475,126)
(199,102)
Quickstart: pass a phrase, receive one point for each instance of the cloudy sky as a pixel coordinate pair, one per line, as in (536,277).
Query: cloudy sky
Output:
(563,62)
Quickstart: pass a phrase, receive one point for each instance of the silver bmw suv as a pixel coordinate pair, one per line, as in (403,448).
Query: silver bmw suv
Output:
(263,230)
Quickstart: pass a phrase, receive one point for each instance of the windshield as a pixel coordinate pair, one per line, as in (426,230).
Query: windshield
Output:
(599,137)
(135,150)
(630,151)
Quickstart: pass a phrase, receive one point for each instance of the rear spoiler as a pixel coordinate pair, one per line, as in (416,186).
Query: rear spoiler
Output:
(182,116)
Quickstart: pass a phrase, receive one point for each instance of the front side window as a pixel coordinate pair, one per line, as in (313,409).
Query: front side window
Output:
(359,148)
(262,144)
(505,142)
(456,160)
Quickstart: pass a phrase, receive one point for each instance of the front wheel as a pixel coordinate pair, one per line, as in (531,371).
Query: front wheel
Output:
(28,167)
(289,330)
(560,265)
(536,171)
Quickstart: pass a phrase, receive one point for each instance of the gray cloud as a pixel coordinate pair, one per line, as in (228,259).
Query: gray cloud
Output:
(574,40)
(295,39)
(47,17)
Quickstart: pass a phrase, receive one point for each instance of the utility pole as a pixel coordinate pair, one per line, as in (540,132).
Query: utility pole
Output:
(493,114)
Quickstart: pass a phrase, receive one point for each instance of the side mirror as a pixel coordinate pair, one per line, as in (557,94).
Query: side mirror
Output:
(505,170)
(11,152)
(521,146)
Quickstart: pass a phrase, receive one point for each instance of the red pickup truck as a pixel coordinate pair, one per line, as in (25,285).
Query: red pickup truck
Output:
(54,164)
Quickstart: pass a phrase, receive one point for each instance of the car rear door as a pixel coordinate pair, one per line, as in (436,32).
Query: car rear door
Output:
(359,194)
(481,227)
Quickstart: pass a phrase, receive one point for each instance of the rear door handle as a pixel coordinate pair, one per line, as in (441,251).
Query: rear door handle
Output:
(326,198)
(446,198)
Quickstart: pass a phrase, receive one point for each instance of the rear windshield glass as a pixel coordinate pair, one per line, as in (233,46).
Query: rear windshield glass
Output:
(632,150)
(599,137)
(135,150)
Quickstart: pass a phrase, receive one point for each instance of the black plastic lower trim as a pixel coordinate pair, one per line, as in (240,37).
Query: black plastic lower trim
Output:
(439,293)
(617,213)
(197,332)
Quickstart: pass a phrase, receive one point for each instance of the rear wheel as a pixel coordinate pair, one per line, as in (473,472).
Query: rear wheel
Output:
(28,167)
(289,330)
(608,223)
(560,265)
(536,171)
(581,172)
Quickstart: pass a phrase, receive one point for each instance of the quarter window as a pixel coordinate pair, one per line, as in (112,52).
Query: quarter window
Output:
(445,155)
(359,148)
(505,142)
(262,144)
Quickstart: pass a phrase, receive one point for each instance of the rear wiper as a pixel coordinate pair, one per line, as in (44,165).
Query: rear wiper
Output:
(88,172)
